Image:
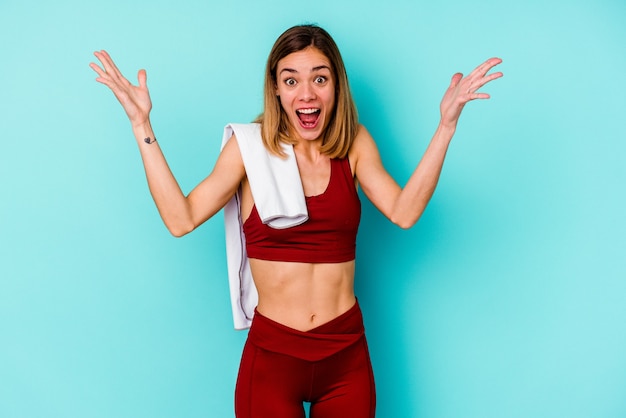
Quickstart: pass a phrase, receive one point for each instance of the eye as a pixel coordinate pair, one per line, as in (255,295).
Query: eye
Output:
(290,82)
(320,79)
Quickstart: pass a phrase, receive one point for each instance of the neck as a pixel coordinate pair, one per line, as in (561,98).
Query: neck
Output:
(309,150)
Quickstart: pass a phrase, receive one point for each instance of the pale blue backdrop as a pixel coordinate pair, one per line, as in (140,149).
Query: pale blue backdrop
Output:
(508,299)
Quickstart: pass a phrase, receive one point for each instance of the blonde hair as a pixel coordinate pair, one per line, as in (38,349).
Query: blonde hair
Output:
(344,123)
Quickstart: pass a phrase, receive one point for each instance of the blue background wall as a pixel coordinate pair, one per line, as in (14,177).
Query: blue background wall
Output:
(508,299)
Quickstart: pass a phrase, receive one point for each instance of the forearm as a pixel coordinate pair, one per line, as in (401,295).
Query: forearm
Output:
(417,192)
(168,197)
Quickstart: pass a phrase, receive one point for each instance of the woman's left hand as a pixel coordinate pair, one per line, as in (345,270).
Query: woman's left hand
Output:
(463,89)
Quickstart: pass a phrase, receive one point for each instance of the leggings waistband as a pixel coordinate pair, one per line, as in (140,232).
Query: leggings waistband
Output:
(313,345)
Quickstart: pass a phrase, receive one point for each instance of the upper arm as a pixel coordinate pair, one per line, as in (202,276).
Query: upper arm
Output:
(212,193)
(379,187)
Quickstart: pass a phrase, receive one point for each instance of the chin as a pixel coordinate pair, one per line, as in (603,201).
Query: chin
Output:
(309,133)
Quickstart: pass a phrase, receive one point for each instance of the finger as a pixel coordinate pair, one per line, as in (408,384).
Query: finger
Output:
(481,82)
(112,68)
(109,66)
(102,75)
(480,96)
(484,68)
(104,59)
(96,68)
(489,64)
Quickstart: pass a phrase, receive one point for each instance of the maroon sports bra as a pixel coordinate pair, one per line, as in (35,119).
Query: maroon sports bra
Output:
(328,236)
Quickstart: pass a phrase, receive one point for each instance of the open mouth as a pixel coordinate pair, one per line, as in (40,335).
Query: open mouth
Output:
(308,117)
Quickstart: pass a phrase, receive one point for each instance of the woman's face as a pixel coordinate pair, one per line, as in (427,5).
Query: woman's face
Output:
(306,89)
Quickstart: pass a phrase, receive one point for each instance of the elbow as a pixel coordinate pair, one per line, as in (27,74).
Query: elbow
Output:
(404,224)
(177,233)
(180,230)
(406,219)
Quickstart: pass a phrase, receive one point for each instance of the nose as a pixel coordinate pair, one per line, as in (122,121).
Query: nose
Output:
(307,92)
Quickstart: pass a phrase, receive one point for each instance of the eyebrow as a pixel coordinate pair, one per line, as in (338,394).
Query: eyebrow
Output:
(319,67)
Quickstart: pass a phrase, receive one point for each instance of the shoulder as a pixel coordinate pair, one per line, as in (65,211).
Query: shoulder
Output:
(230,156)
(245,133)
(362,145)
(363,139)
(231,144)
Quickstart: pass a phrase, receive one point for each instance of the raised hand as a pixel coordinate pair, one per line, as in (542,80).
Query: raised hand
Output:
(463,89)
(134,99)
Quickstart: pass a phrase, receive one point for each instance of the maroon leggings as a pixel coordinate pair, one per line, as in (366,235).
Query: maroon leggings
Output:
(328,366)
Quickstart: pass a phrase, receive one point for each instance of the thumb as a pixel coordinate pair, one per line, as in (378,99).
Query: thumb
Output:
(455,79)
(142,76)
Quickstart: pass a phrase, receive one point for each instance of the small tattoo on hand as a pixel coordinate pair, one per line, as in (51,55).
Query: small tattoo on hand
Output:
(149,140)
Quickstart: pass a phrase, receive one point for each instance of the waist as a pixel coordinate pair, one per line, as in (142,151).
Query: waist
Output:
(313,345)
(303,295)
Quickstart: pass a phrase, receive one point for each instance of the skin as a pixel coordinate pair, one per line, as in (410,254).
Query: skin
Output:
(299,295)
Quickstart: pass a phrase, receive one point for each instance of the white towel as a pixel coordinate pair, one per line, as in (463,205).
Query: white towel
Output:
(279,198)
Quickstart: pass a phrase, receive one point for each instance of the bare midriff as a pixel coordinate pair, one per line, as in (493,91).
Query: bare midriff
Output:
(303,295)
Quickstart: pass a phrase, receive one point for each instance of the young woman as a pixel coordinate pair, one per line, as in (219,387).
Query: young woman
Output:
(306,342)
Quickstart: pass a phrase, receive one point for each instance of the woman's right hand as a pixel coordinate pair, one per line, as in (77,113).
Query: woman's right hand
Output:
(134,99)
